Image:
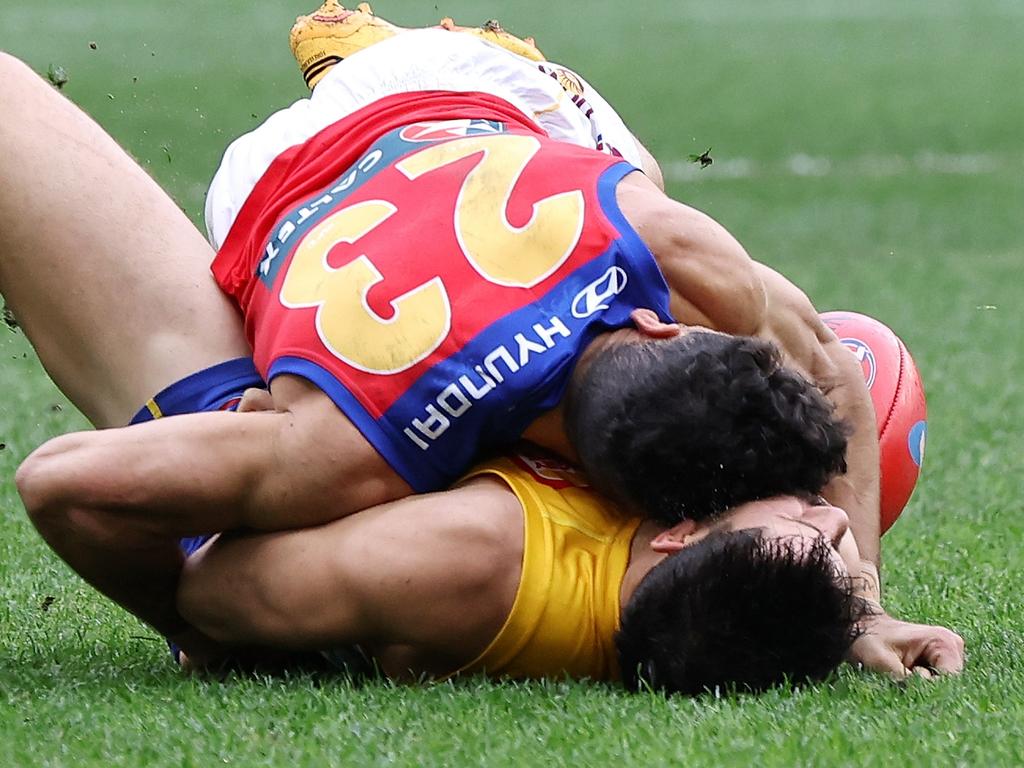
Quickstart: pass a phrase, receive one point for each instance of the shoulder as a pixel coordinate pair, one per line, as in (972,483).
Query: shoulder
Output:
(711,278)
(465,540)
(439,573)
(486,513)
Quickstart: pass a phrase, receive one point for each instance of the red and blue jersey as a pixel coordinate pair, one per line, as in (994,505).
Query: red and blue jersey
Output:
(436,264)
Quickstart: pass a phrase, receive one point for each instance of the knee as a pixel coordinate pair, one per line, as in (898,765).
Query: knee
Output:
(29,483)
(19,87)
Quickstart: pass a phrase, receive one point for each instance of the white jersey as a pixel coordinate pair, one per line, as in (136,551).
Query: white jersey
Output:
(554,97)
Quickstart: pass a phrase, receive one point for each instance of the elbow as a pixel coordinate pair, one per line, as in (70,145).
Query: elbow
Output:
(734,291)
(41,481)
(35,483)
(26,481)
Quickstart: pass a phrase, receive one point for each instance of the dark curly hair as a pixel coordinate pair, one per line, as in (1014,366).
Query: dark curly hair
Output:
(738,612)
(691,426)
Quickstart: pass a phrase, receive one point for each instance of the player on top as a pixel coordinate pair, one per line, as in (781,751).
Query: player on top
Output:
(473,372)
(451,282)
(561,102)
(568,109)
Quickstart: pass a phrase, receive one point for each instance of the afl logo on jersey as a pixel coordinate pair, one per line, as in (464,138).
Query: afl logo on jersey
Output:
(595,297)
(865,356)
(450,129)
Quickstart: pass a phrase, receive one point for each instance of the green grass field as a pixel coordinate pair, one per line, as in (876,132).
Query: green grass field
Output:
(872,151)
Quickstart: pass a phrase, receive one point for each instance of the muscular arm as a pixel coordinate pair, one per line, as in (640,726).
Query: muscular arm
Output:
(113,503)
(184,475)
(208,472)
(714,283)
(793,324)
(437,573)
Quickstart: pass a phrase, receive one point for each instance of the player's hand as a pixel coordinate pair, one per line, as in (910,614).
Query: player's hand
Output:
(900,649)
(254,399)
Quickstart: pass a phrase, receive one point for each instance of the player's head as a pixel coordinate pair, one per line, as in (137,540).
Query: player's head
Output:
(691,425)
(743,609)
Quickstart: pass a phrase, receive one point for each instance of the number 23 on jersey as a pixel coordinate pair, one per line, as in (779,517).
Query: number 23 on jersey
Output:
(502,254)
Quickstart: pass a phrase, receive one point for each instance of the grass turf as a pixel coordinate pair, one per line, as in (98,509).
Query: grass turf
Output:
(871,151)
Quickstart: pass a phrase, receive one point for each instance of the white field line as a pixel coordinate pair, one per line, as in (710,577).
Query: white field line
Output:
(864,166)
(739,12)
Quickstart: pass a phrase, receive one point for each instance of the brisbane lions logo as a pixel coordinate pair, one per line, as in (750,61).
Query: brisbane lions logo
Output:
(865,356)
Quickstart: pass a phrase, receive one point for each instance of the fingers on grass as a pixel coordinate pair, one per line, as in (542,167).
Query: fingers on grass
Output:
(946,661)
(883,660)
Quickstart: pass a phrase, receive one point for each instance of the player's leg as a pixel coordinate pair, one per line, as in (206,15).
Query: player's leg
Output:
(107,277)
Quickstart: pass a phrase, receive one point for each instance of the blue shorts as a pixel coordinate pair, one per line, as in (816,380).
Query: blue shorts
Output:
(218,388)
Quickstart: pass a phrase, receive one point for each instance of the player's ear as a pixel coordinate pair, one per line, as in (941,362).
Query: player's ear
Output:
(650,325)
(675,538)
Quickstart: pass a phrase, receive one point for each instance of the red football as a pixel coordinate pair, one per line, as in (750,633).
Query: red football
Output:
(898,397)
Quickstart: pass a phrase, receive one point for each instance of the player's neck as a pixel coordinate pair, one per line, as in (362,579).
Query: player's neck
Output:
(641,559)
(548,432)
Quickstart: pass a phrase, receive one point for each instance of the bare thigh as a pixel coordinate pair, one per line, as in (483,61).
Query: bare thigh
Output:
(107,277)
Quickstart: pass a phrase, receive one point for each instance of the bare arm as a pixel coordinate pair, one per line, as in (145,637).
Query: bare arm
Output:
(712,281)
(114,503)
(888,645)
(209,472)
(715,283)
(184,475)
(649,165)
(793,324)
(436,572)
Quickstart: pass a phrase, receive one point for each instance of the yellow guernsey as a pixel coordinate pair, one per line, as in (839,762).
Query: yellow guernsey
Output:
(576,549)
